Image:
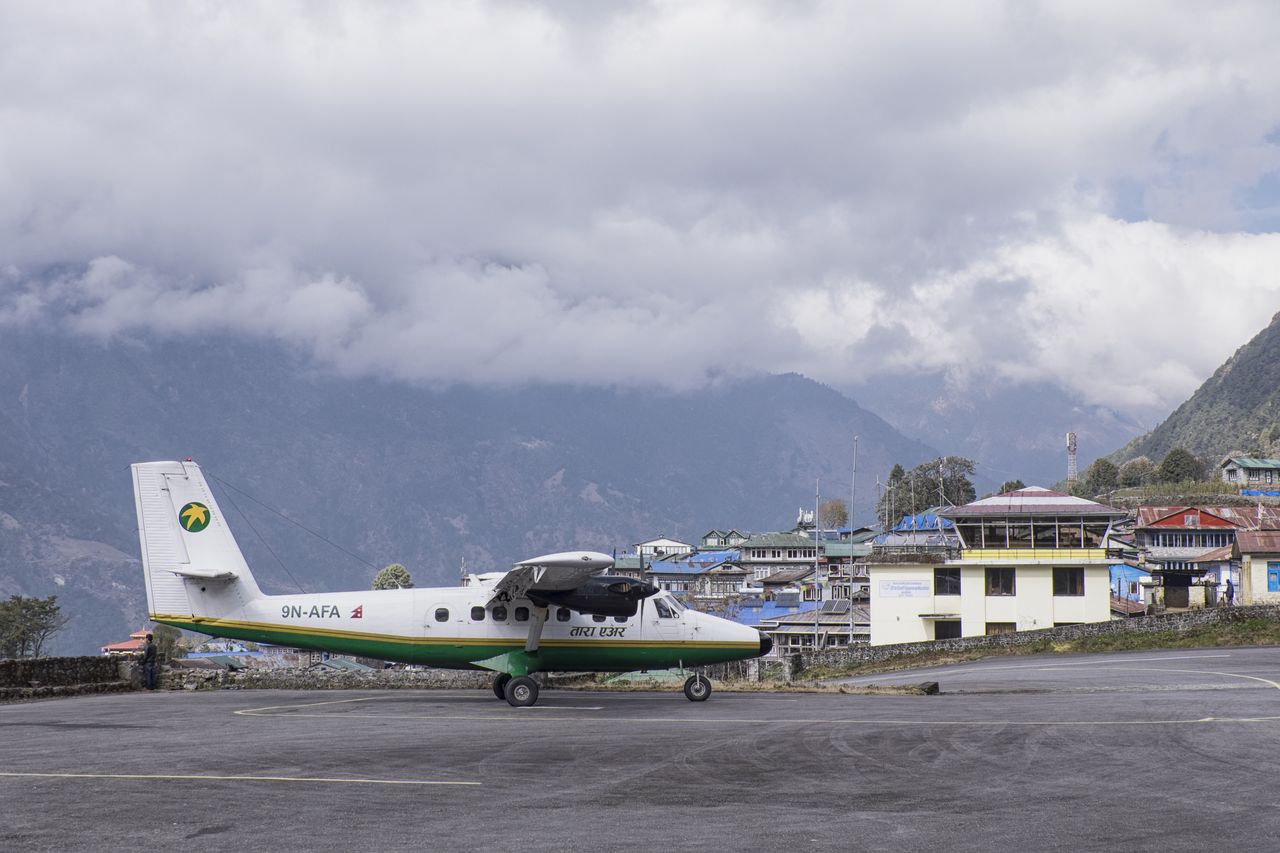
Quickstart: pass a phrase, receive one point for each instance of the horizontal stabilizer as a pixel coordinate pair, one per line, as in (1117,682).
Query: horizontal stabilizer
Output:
(204,574)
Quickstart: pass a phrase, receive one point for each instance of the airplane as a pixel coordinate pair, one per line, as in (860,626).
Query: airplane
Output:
(559,612)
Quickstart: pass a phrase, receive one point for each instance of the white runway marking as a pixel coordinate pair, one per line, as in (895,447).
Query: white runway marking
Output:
(981,669)
(206,778)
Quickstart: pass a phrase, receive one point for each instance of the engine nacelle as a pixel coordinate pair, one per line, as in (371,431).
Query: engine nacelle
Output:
(604,595)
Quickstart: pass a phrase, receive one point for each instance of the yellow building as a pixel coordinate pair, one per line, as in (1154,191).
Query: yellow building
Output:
(1259,555)
(1029,559)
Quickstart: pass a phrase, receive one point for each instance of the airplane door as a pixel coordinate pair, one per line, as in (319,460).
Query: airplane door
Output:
(663,618)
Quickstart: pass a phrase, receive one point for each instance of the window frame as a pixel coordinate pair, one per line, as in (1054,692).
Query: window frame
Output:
(1068,581)
(947,573)
(997,591)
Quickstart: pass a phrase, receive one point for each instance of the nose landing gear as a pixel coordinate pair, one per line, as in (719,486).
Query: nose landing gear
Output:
(697,688)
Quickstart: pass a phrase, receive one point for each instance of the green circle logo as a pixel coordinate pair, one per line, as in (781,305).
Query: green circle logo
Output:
(194,517)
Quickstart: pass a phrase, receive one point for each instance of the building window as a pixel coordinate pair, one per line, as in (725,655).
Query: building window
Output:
(1001,628)
(1000,582)
(946,629)
(1068,581)
(946,582)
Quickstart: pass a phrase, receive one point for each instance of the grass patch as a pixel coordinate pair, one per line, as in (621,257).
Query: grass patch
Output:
(1244,632)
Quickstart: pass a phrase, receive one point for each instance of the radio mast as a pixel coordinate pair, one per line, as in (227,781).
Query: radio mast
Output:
(1071,459)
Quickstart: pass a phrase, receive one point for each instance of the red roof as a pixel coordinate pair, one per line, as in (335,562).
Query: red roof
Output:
(126,646)
(1258,541)
(1266,517)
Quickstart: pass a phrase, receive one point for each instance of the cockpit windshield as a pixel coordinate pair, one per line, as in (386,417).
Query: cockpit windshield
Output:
(674,603)
(663,606)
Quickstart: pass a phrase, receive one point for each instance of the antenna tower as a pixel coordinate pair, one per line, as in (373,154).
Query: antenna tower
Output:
(1071,457)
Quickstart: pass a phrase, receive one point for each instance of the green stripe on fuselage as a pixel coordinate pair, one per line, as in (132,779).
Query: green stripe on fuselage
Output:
(554,655)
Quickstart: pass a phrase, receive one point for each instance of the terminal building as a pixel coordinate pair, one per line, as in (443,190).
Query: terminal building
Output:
(1028,559)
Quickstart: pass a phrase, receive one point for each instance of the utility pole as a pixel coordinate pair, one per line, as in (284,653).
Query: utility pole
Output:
(817,584)
(853,496)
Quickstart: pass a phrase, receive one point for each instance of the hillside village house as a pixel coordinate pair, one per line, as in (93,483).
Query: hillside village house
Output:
(833,624)
(1181,546)
(1249,472)
(1029,559)
(1259,555)
(656,549)
(772,552)
(714,539)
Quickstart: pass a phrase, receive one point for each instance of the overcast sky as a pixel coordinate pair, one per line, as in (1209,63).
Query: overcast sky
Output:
(655,193)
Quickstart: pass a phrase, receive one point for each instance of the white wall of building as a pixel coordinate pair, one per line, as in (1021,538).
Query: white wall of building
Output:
(901,593)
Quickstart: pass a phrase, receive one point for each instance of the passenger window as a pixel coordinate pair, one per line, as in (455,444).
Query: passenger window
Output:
(664,610)
(499,613)
(597,617)
(619,619)
(477,614)
(442,614)
(562,615)
(522,614)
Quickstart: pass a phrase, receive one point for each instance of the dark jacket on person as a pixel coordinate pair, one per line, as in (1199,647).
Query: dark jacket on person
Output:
(149,653)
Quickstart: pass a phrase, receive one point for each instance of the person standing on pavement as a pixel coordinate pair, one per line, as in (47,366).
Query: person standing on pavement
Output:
(1230,594)
(149,664)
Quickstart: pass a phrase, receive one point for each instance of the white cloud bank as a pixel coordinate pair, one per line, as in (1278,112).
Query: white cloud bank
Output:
(654,193)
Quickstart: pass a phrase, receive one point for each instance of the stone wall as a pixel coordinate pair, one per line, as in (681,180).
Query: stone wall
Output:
(322,679)
(1139,625)
(41,677)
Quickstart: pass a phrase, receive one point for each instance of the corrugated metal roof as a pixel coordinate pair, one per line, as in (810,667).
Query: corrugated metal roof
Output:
(1217,555)
(788,575)
(778,540)
(694,564)
(1266,517)
(1252,462)
(1032,501)
(1258,541)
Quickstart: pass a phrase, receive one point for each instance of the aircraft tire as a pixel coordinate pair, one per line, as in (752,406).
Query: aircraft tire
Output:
(500,685)
(697,688)
(521,692)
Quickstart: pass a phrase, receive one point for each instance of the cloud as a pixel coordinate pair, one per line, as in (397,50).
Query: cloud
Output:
(653,193)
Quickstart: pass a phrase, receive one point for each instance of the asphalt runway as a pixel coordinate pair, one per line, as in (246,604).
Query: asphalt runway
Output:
(1145,751)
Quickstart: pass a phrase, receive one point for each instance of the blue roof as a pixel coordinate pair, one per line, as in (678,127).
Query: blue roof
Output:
(924,521)
(695,564)
(754,615)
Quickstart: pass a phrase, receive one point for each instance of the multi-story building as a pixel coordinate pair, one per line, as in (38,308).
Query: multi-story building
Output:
(656,549)
(1028,559)
(1181,546)
(713,539)
(771,552)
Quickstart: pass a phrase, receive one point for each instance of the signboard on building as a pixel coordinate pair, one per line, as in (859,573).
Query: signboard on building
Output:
(905,589)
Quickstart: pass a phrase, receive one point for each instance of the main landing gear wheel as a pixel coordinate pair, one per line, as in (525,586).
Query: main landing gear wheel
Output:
(500,685)
(697,688)
(522,691)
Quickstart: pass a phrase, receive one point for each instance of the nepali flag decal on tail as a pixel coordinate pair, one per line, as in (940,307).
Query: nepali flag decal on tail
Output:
(358,613)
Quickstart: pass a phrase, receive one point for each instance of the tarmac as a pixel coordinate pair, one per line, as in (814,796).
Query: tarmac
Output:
(1165,751)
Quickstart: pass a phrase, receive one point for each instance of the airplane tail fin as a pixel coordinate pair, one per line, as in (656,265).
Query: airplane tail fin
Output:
(190,560)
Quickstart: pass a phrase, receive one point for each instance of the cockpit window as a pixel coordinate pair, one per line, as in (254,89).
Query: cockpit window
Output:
(675,605)
(664,609)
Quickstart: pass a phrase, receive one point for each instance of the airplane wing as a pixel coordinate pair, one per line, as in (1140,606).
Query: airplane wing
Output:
(550,573)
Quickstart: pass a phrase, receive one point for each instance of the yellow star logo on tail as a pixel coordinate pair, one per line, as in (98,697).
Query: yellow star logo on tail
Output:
(194,517)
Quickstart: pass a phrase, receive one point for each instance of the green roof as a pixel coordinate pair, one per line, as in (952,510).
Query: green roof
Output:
(1252,462)
(778,540)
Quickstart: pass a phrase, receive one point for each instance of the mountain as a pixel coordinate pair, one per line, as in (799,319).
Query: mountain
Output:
(392,473)
(1013,431)
(1236,410)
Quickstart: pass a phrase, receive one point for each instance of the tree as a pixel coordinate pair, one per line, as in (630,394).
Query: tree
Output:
(394,576)
(1102,476)
(1011,486)
(942,481)
(1138,471)
(833,513)
(1179,466)
(167,640)
(27,623)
